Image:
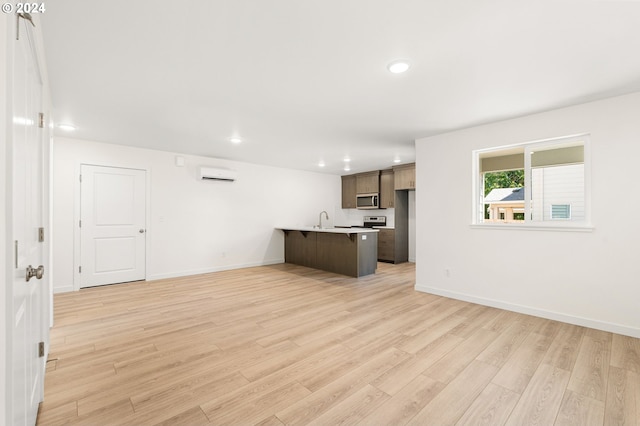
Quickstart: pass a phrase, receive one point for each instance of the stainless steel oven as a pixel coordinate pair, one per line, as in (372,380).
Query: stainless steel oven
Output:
(371,221)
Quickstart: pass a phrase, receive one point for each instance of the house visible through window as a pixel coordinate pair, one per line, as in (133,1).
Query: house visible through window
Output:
(533,183)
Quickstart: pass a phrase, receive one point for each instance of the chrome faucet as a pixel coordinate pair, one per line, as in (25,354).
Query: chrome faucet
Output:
(320,219)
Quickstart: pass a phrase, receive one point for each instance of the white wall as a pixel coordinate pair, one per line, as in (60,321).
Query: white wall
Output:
(194,226)
(586,278)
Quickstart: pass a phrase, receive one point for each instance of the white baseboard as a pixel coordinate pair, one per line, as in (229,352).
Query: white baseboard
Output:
(186,273)
(62,289)
(177,274)
(529,310)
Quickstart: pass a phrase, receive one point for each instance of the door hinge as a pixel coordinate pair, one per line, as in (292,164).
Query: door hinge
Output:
(80,178)
(15,249)
(41,120)
(26,17)
(79,269)
(41,235)
(40,349)
(80,223)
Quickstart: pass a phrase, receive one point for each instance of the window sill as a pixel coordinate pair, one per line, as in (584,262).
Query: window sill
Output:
(534,227)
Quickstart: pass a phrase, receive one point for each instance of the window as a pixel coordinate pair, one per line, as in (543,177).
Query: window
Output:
(534,184)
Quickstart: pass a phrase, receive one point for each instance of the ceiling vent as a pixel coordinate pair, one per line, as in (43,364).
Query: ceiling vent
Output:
(213,173)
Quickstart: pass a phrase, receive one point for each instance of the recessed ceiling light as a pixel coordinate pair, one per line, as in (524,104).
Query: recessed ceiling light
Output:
(66,127)
(347,168)
(347,159)
(321,164)
(399,66)
(235,140)
(396,160)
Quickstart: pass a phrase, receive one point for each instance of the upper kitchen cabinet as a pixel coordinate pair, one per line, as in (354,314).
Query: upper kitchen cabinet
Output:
(387,193)
(368,183)
(349,192)
(405,176)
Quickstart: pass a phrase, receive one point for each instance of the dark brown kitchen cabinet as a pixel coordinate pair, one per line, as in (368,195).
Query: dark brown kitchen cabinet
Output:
(353,253)
(349,192)
(300,248)
(405,176)
(392,245)
(368,183)
(387,195)
(386,245)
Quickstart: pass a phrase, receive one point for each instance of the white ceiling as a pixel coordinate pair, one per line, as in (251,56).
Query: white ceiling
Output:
(304,81)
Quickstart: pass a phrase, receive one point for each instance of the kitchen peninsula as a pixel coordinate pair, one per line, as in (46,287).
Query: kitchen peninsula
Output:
(346,251)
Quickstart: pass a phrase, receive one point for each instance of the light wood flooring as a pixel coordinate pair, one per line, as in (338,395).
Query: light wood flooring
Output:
(285,344)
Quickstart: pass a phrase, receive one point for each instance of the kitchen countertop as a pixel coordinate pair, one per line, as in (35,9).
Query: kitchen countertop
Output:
(329,230)
(384,227)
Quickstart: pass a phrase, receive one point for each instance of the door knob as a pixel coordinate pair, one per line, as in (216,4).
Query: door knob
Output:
(34,272)
(141,231)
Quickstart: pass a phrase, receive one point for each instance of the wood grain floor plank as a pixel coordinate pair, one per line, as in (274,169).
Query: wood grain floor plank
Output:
(635,379)
(76,388)
(192,417)
(406,403)
(301,329)
(503,320)
(478,317)
(430,333)
(564,348)
(516,373)
(90,359)
(107,415)
(253,410)
(625,352)
(540,402)
(579,410)
(492,407)
(192,391)
(157,407)
(285,344)
(591,370)
(57,414)
(396,378)
(621,398)
(281,361)
(448,368)
(453,401)
(270,421)
(352,409)
(433,313)
(341,388)
(499,351)
(344,365)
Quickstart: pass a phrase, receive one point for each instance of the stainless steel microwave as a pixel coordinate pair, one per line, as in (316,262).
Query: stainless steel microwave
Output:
(367,201)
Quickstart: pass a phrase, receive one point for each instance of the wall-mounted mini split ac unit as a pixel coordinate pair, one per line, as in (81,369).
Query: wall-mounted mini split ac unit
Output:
(214,173)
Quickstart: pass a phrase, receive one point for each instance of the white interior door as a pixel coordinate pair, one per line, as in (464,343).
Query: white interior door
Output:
(29,311)
(112,225)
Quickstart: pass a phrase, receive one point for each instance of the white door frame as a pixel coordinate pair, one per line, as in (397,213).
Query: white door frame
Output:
(76,216)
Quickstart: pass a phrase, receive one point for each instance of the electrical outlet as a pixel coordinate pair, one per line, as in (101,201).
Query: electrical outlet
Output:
(447,272)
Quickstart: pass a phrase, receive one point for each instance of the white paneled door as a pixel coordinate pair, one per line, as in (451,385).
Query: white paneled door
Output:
(28,289)
(112,225)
